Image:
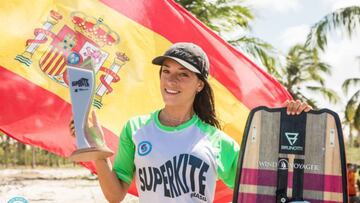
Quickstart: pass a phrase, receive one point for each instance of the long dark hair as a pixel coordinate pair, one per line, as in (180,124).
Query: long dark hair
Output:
(204,105)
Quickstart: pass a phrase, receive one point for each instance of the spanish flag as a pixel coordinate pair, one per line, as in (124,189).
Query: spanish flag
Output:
(39,39)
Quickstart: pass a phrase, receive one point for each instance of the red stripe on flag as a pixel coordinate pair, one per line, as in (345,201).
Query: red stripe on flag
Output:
(243,78)
(56,120)
(33,115)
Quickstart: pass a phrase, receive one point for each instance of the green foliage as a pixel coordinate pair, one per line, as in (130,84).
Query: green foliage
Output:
(344,19)
(305,70)
(219,15)
(352,108)
(350,82)
(13,153)
(261,50)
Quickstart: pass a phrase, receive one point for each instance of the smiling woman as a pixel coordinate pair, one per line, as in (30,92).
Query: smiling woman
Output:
(180,150)
(176,154)
(184,85)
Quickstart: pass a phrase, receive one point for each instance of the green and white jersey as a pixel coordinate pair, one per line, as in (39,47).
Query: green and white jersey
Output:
(175,164)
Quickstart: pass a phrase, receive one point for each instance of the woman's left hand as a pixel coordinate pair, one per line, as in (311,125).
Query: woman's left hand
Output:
(296,107)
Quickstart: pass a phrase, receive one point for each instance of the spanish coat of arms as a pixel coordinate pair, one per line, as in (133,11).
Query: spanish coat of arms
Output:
(70,46)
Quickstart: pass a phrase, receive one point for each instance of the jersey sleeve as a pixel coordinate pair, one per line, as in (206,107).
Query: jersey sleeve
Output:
(124,161)
(227,159)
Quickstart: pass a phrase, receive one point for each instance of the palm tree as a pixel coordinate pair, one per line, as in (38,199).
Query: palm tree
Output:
(352,109)
(344,19)
(5,145)
(304,69)
(224,16)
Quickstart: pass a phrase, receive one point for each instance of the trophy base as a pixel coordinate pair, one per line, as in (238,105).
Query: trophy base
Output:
(91,154)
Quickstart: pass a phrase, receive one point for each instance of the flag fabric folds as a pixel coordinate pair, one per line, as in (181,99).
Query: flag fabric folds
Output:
(39,41)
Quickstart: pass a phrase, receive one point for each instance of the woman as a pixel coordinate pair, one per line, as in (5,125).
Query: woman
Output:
(176,153)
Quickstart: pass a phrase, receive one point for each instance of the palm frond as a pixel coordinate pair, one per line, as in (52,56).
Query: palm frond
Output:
(328,93)
(261,50)
(346,19)
(298,95)
(357,118)
(351,106)
(221,15)
(350,110)
(350,82)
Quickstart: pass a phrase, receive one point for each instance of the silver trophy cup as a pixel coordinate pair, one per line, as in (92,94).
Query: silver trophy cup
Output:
(82,86)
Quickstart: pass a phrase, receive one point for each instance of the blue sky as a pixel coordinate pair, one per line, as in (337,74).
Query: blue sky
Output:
(284,23)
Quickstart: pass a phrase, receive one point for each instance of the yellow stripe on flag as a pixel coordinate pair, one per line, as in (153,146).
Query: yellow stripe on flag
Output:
(138,89)
(137,42)
(231,111)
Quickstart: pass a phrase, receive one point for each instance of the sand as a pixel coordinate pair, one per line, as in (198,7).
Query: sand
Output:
(52,185)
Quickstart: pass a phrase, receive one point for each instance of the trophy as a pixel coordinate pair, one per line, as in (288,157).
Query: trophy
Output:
(82,85)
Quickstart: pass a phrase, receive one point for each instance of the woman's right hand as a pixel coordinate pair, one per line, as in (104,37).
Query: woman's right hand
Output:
(95,132)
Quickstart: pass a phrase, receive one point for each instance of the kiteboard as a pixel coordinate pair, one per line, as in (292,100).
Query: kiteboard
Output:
(287,158)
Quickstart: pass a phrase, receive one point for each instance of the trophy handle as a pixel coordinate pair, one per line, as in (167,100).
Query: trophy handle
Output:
(82,86)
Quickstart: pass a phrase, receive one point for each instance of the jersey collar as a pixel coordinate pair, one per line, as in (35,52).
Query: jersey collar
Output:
(193,120)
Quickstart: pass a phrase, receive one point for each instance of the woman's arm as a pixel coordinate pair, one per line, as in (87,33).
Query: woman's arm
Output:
(113,188)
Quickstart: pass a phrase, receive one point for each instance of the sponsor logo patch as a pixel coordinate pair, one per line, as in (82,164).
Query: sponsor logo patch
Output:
(292,143)
(144,148)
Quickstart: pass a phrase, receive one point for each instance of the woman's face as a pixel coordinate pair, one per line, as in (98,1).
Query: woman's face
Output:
(178,84)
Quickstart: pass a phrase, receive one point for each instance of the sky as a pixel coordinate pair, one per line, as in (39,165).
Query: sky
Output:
(284,23)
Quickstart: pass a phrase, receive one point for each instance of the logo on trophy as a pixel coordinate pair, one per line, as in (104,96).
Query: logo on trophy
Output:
(82,87)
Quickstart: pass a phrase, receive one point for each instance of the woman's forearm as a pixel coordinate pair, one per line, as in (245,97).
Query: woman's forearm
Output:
(113,188)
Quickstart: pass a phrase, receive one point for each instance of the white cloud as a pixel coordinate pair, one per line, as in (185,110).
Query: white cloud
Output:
(340,54)
(280,6)
(294,35)
(336,4)
(345,3)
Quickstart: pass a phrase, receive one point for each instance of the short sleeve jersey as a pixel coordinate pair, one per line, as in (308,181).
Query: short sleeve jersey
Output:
(175,164)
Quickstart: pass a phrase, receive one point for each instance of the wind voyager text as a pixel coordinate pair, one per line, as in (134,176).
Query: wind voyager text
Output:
(268,164)
(173,176)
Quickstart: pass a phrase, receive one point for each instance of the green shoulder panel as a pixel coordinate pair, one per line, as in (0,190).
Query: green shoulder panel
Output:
(227,152)
(124,161)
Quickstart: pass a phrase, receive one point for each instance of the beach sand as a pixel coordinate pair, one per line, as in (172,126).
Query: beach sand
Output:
(53,185)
